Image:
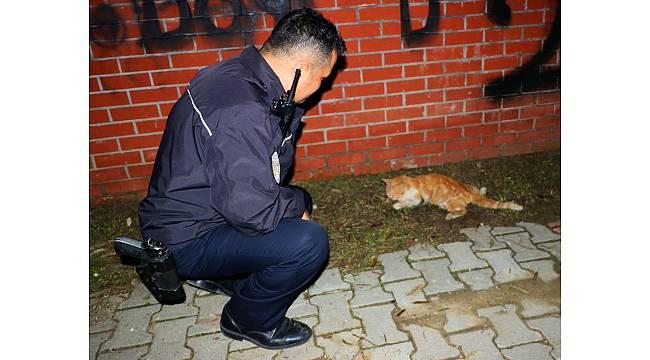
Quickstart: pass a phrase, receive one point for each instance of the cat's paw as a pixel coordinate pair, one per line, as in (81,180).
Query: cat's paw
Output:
(482,190)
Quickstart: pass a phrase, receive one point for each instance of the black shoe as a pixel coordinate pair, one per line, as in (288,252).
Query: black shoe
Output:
(288,334)
(225,287)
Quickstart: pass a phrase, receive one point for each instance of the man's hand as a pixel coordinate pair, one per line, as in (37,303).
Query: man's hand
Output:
(306,216)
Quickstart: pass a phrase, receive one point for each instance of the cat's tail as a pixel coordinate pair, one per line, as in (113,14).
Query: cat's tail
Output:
(494,204)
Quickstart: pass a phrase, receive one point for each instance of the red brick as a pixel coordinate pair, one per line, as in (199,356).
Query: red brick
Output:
(219,41)
(551,97)
(478,22)
(406,85)
(404,113)
(322,149)
(137,171)
(444,53)
(98,116)
(165,109)
(406,139)
(132,157)
(115,49)
(422,70)
(483,153)
(426,124)
(389,128)
(348,76)
(140,142)
(454,145)
(108,99)
(144,63)
(382,44)
(538,4)
(445,108)
(528,18)
(440,82)
(346,159)
(499,140)
(340,106)
(391,28)
(102,146)
(150,126)
(364,144)
(360,61)
(537,111)
(452,23)
(512,126)
(386,154)
(382,101)
(365,117)
(194,59)
(463,37)
(464,8)
(310,164)
(362,30)
(333,93)
(102,175)
(425,149)
(346,133)
(382,73)
(500,115)
(173,77)
(345,3)
(464,119)
(483,77)
(339,16)
(506,62)
(364,90)
(323,121)
(409,163)
(110,130)
(154,95)
(482,104)
(472,131)
(404,57)
(149,155)
(126,186)
(424,97)
(485,50)
(462,66)
(545,145)
(418,11)
(311,137)
(462,94)
(377,13)
(93,85)
(437,135)
(134,112)
(516,149)
(526,47)
(535,135)
(125,81)
(502,34)
(379,167)
(103,67)
(547,122)
(94,191)
(535,32)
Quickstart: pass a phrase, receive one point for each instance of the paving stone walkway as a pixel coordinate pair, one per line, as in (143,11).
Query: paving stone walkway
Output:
(494,296)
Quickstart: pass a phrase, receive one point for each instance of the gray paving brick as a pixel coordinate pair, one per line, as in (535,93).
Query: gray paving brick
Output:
(523,248)
(437,275)
(379,325)
(550,328)
(256,353)
(95,341)
(367,290)
(553,247)
(401,351)
(510,329)
(132,328)
(169,340)
(535,351)
(105,321)
(341,346)
(140,296)
(424,251)
(240,345)
(123,354)
(482,239)
(461,319)
(407,292)
(301,308)
(209,314)
(504,266)
(502,230)
(330,280)
(307,351)
(543,268)
(532,307)
(430,344)
(540,232)
(477,345)
(209,347)
(177,311)
(477,279)
(461,256)
(395,267)
(336,313)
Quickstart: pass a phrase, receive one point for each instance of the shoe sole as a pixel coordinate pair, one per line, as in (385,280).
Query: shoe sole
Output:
(239,337)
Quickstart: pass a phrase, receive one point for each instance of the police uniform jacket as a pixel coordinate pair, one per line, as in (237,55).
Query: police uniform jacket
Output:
(223,158)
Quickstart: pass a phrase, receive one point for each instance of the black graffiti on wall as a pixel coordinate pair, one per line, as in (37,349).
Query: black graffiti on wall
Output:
(106,25)
(533,75)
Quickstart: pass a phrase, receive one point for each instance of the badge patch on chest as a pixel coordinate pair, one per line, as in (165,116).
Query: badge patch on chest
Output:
(275,165)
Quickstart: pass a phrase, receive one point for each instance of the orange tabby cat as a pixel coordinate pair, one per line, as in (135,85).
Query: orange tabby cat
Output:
(440,190)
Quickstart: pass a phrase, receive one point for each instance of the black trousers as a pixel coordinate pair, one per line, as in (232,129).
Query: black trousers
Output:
(273,268)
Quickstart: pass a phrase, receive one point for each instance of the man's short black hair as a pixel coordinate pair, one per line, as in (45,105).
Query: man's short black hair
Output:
(305,30)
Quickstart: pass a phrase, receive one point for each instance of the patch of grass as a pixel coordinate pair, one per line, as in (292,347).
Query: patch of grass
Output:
(361,222)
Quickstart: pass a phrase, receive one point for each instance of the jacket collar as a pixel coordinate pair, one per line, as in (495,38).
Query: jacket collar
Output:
(262,70)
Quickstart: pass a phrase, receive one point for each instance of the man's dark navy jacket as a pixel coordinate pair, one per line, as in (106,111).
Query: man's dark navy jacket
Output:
(222,158)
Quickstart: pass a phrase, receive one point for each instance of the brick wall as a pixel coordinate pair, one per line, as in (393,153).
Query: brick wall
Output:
(425,82)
